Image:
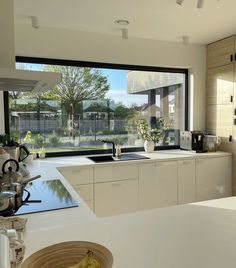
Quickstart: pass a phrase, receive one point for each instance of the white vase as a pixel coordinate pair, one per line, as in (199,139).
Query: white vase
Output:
(149,146)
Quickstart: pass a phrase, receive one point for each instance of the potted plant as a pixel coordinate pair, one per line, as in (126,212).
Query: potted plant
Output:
(42,153)
(151,135)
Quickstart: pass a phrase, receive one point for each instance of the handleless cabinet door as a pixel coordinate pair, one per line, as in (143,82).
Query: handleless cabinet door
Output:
(219,53)
(158,184)
(116,197)
(78,175)
(219,120)
(186,182)
(220,85)
(213,178)
(115,172)
(85,191)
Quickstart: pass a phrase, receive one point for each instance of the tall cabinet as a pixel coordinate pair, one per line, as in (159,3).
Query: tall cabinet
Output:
(221,95)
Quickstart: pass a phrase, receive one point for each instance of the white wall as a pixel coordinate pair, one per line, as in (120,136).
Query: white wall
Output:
(64,44)
(7,56)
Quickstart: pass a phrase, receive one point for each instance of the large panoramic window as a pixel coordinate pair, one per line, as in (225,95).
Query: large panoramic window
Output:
(99,103)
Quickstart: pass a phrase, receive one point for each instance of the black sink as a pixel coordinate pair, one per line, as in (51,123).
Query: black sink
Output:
(123,157)
(101,158)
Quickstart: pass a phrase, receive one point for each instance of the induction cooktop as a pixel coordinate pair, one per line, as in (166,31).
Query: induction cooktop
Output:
(42,196)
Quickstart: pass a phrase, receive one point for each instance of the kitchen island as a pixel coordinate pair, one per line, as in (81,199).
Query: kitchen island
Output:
(194,235)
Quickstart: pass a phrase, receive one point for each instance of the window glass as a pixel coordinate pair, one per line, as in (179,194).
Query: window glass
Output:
(91,104)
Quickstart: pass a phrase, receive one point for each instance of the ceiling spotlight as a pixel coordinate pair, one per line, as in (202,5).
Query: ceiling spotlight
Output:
(179,2)
(122,22)
(200,3)
(124,33)
(34,22)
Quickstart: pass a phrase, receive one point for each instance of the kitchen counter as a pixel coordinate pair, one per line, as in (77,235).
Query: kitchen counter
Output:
(194,235)
(164,155)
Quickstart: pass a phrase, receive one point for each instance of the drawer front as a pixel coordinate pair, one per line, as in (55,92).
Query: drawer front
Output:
(76,176)
(85,191)
(114,173)
(116,197)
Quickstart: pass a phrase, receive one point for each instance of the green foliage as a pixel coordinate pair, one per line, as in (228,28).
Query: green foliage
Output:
(4,138)
(39,140)
(28,137)
(79,83)
(122,112)
(154,134)
(54,140)
(132,122)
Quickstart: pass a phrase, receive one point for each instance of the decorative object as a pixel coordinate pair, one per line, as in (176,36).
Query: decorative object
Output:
(67,254)
(42,153)
(151,135)
(149,146)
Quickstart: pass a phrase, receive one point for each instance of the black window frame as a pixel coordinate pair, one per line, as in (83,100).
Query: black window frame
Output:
(76,63)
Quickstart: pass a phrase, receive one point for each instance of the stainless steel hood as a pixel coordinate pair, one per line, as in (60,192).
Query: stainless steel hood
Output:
(22,80)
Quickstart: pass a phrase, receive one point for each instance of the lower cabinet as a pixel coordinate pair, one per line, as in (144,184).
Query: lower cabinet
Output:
(186,181)
(213,178)
(122,188)
(85,191)
(116,197)
(158,184)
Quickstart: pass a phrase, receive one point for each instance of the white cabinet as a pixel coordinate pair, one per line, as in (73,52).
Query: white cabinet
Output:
(115,172)
(158,184)
(186,182)
(110,189)
(81,178)
(78,175)
(213,178)
(116,197)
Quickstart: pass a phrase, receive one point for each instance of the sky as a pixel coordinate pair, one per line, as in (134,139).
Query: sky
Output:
(118,91)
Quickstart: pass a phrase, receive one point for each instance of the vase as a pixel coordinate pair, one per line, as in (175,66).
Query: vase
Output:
(149,146)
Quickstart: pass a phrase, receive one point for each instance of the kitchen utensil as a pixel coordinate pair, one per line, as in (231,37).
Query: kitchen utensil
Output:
(67,254)
(11,176)
(16,151)
(25,181)
(3,158)
(15,187)
(23,169)
(211,143)
(7,200)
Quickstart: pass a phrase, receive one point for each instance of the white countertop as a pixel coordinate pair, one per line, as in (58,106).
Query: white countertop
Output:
(188,236)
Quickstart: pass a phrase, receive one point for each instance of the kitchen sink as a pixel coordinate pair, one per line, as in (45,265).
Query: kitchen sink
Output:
(110,158)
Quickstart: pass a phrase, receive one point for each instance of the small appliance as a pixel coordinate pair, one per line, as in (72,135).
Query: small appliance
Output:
(211,143)
(192,141)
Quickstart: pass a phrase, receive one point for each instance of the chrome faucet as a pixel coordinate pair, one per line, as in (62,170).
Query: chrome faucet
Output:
(113,146)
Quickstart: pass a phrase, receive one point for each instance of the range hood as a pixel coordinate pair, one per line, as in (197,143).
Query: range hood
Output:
(22,80)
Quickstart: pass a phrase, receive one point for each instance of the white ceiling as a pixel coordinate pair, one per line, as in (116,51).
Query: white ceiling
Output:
(152,19)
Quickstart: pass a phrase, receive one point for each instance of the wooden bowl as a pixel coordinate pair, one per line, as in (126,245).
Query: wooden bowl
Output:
(66,254)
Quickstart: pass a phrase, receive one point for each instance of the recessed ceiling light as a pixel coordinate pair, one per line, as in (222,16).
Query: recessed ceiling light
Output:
(122,22)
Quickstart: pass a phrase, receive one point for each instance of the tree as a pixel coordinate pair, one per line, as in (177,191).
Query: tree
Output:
(78,84)
(121,111)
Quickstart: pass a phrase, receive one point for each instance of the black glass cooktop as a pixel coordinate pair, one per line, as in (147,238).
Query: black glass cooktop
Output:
(42,196)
